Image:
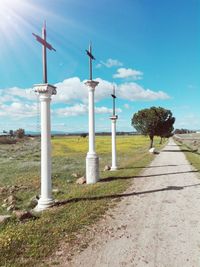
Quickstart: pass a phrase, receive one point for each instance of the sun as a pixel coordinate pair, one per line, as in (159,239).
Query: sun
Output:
(9,11)
(13,18)
(17,15)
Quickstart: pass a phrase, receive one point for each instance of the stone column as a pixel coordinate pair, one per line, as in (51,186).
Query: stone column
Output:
(114,154)
(92,159)
(45,92)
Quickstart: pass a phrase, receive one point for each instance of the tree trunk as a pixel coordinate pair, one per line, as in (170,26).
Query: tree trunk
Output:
(161,139)
(151,141)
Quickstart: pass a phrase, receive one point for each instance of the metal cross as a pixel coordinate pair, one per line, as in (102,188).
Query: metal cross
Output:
(45,45)
(91,57)
(114,97)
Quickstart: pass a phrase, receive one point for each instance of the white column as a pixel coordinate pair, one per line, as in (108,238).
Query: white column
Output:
(91,120)
(45,92)
(114,154)
(92,159)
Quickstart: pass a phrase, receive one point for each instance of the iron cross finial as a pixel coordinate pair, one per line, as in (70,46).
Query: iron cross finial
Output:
(45,45)
(91,57)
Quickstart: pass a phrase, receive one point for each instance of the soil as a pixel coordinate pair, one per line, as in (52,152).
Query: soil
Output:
(156,224)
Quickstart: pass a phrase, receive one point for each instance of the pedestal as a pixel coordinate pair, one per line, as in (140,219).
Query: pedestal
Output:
(92,160)
(45,92)
(114,154)
(92,169)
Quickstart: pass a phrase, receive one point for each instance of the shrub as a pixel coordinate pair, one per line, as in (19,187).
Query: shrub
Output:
(6,140)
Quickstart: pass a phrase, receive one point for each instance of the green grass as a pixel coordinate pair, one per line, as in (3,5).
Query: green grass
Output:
(28,244)
(190,152)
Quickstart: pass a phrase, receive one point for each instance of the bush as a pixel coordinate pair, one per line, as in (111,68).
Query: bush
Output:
(84,135)
(20,133)
(6,140)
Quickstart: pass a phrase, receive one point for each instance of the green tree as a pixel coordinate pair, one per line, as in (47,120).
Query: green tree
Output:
(84,135)
(11,132)
(154,121)
(165,128)
(20,133)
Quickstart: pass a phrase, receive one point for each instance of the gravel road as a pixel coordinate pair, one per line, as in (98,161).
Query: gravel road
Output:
(156,225)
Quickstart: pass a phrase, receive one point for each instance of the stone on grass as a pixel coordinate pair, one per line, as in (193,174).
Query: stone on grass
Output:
(4,218)
(33,202)
(13,188)
(75,175)
(56,190)
(23,215)
(2,190)
(10,200)
(152,150)
(81,180)
(59,253)
(107,168)
(11,207)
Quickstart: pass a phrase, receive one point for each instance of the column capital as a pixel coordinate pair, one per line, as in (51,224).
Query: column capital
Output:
(91,84)
(114,118)
(45,89)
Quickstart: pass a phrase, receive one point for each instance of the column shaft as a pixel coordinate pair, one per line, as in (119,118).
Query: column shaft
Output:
(114,158)
(45,148)
(114,152)
(92,160)
(91,122)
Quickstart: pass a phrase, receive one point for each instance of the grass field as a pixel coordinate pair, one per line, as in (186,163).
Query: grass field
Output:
(190,145)
(28,244)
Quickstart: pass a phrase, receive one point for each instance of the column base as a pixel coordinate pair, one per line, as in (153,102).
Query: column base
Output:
(113,168)
(44,204)
(92,168)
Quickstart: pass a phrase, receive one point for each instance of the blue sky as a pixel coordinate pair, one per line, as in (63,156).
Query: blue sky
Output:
(149,49)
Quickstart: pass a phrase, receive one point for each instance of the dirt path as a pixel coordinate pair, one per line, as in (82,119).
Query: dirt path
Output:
(157,227)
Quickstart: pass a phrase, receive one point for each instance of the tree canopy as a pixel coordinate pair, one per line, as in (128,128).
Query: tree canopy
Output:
(154,121)
(20,133)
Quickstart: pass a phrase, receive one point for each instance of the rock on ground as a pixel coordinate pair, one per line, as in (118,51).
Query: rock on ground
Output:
(107,168)
(74,174)
(4,218)
(81,180)
(23,215)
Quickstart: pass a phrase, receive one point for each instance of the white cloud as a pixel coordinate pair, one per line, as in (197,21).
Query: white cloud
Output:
(128,73)
(16,94)
(69,90)
(103,90)
(82,109)
(18,110)
(105,110)
(75,110)
(21,103)
(110,63)
(133,92)
(73,89)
